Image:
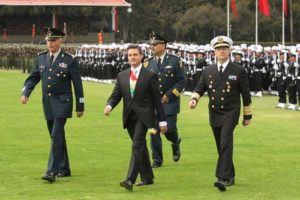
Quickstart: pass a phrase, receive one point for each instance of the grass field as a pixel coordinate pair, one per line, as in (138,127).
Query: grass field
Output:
(266,154)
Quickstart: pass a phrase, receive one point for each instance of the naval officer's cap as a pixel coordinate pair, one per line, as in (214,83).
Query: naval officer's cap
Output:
(221,41)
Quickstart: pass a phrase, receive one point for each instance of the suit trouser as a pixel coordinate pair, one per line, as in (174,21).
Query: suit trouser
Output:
(139,161)
(171,135)
(224,141)
(58,158)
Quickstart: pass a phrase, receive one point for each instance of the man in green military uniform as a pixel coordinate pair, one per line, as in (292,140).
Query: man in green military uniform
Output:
(56,69)
(224,83)
(171,83)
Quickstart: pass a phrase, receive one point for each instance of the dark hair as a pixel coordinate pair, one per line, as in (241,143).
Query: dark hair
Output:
(134,46)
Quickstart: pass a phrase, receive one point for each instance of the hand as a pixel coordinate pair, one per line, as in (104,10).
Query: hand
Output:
(163,129)
(107,110)
(165,99)
(192,103)
(246,122)
(79,114)
(24,99)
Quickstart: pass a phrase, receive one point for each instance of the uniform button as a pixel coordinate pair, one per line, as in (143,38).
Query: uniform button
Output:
(222,99)
(223,90)
(160,85)
(213,90)
(213,98)
(50,69)
(49,77)
(213,106)
(49,94)
(49,86)
(222,106)
(159,79)
(161,92)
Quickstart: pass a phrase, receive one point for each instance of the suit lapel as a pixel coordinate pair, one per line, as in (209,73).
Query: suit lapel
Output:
(139,81)
(126,81)
(225,74)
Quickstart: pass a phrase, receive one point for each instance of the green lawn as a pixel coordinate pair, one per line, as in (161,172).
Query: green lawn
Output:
(266,154)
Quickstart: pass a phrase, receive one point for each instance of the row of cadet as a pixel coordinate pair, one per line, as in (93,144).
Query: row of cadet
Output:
(271,70)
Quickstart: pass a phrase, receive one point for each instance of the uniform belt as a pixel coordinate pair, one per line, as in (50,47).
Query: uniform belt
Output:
(257,70)
(199,70)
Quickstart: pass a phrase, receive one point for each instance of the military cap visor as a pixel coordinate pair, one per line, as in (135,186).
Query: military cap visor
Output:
(53,34)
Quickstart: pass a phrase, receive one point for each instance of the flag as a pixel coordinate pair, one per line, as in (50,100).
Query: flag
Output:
(4,34)
(33,31)
(233,8)
(65,28)
(285,8)
(114,13)
(264,7)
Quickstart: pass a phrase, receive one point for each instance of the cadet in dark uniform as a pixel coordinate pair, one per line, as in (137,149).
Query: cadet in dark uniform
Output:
(224,82)
(171,77)
(56,69)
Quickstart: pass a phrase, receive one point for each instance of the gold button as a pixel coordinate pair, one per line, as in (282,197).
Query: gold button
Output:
(49,86)
(49,77)
(49,94)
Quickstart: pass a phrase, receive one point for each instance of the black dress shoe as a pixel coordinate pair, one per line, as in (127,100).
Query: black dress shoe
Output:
(49,176)
(230,182)
(176,150)
(156,165)
(143,183)
(127,184)
(64,174)
(221,185)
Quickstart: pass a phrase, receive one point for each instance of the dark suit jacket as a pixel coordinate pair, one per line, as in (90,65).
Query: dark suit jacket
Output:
(56,84)
(171,80)
(146,98)
(224,93)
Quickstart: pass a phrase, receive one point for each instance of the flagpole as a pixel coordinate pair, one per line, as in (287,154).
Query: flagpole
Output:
(256,24)
(283,25)
(228,17)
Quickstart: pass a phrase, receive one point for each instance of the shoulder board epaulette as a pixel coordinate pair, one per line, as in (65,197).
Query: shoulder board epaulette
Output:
(146,63)
(43,52)
(69,54)
(172,55)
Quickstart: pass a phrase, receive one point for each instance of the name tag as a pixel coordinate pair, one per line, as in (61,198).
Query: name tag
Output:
(232,77)
(62,65)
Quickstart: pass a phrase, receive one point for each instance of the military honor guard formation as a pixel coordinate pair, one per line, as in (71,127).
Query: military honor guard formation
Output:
(149,78)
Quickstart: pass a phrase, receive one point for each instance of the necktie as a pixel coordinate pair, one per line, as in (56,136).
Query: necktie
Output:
(132,81)
(221,70)
(51,59)
(159,66)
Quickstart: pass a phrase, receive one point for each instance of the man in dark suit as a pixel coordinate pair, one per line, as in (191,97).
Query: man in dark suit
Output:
(141,100)
(171,83)
(56,69)
(224,82)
